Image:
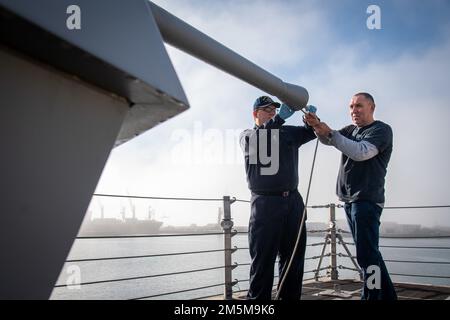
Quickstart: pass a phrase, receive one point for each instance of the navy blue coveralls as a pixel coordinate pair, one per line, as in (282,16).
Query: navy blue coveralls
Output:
(276,211)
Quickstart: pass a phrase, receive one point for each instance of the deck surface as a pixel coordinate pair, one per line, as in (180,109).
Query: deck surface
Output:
(351,290)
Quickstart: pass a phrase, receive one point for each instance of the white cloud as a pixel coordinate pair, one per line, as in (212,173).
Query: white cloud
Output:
(269,33)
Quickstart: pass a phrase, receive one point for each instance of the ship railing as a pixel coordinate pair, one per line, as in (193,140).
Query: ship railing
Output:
(228,250)
(197,270)
(332,238)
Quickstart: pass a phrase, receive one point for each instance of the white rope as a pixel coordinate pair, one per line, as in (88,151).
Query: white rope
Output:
(280,287)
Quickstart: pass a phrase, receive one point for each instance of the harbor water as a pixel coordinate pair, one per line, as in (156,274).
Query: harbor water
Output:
(92,271)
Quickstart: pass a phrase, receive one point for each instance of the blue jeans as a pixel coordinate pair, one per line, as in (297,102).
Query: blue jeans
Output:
(364,220)
(273,229)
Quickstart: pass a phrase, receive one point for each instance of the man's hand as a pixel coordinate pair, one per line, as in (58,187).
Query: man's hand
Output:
(322,129)
(285,112)
(311,119)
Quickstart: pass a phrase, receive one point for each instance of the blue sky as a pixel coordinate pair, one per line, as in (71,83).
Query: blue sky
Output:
(326,47)
(406,25)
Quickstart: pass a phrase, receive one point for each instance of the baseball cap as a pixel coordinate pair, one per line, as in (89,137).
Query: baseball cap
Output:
(264,101)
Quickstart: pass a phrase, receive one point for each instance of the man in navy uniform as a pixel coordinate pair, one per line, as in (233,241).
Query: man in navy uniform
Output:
(276,204)
(366,147)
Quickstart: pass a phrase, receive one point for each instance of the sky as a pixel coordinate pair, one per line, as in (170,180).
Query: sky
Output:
(326,47)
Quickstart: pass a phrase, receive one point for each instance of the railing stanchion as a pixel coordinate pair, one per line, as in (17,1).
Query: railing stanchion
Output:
(333,257)
(227,224)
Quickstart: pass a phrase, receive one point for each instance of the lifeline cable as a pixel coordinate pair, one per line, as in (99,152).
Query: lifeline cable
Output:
(280,287)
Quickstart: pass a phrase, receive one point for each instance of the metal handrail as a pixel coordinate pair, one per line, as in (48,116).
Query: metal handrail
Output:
(420,275)
(154,198)
(310,271)
(347,268)
(308,231)
(318,257)
(418,207)
(401,237)
(308,245)
(318,231)
(140,277)
(399,261)
(179,291)
(409,261)
(248,201)
(403,247)
(240,200)
(152,235)
(321,269)
(413,247)
(415,237)
(243,264)
(145,256)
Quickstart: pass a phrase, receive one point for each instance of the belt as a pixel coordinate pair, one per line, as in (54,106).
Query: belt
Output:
(274,193)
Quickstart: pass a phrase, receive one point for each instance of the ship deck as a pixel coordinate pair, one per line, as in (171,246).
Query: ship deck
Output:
(349,289)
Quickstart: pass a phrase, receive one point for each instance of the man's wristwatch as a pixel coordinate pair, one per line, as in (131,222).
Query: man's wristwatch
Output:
(330,135)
